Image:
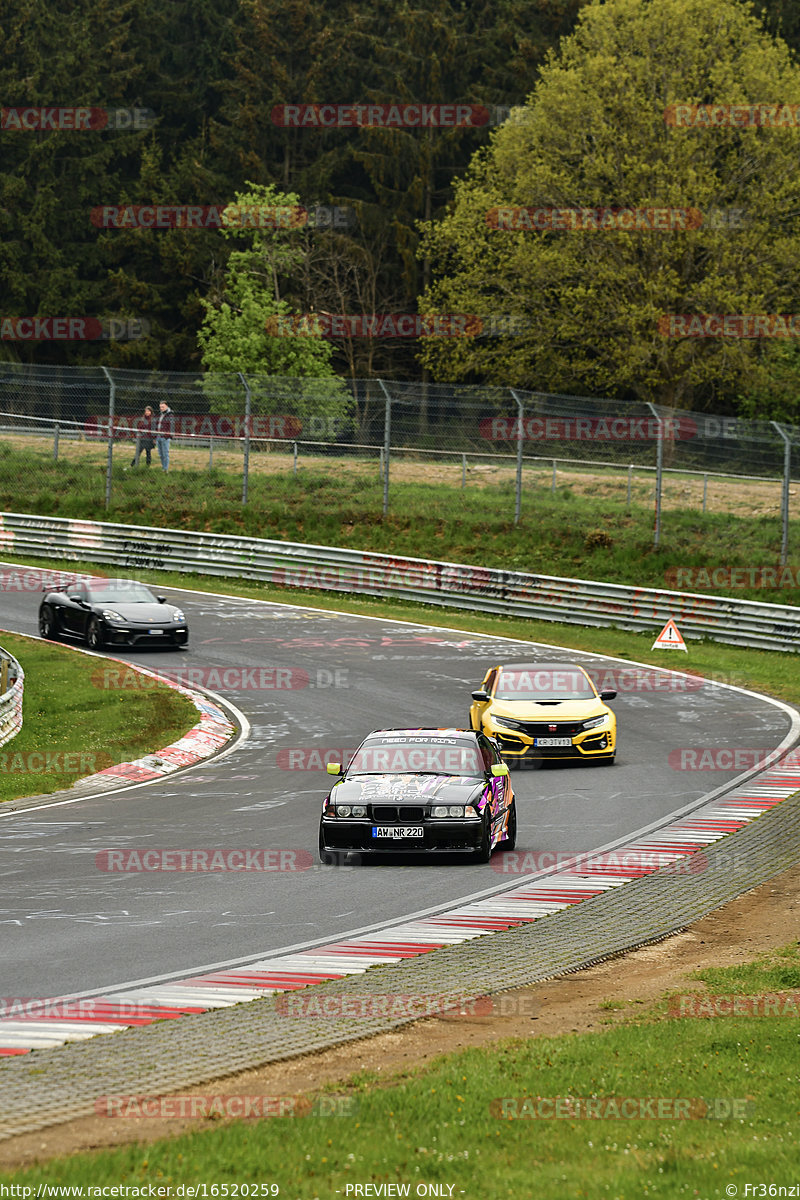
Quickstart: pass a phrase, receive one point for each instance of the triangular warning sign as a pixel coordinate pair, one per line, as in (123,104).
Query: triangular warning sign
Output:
(669,638)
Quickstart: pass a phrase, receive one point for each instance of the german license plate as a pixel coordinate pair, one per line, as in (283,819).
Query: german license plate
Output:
(397,831)
(155,632)
(552,741)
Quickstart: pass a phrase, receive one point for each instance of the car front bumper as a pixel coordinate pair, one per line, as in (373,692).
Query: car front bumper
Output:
(457,835)
(134,635)
(593,744)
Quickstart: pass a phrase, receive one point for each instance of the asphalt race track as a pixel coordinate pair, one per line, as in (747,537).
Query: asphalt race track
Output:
(68,927)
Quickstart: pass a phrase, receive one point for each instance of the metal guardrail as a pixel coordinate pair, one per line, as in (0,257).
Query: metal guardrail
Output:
(450,585)
(12,684)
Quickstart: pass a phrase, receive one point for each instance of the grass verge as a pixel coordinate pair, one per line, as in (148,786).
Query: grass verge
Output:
(73,727)
(562,533)
(479,1122)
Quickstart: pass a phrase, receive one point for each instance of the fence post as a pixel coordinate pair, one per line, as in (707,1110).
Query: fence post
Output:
(463,471)
(659,474)
(520,420)
(110,457)
(294,459)
(387,434)
(246,465)
(787,467)
(705,491)
(55,442)
(630,473)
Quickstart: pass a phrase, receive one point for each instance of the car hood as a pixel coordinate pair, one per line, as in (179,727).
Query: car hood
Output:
(548,710)
(407,789)
(142,614)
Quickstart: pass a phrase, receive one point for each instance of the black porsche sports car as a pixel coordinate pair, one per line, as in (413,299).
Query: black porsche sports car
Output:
(111,612)
(415,790)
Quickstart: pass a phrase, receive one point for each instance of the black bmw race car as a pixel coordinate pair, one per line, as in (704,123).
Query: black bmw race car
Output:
(111,612)
(417,790)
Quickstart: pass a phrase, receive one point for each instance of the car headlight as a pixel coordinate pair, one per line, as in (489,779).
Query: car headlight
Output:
(595,721)
(453,810)
(109,614)
(350,810)
(508,722)
(177,615)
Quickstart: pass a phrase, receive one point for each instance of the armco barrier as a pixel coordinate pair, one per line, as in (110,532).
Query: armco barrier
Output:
(10,698)
(451,585)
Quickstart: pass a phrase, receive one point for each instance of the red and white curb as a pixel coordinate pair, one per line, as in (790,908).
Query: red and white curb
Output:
(211,733)
(78,1019)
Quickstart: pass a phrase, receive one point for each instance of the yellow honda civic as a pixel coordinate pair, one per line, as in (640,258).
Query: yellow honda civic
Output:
(543,710)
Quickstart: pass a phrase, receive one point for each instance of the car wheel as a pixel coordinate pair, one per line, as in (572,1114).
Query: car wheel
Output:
(94,634)
(47,625)
(510,840)
(483,851)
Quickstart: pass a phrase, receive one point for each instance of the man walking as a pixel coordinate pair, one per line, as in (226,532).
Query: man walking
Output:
(164,431)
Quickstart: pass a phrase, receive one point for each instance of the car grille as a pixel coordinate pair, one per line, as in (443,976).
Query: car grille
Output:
(544,728)
(402,812)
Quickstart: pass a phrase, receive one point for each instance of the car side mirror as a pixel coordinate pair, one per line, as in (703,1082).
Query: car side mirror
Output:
(161,599)
(480,695)
(608,695)
(75,599)
(499,769)
(334,768)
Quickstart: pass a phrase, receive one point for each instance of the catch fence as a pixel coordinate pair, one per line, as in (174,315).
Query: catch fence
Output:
(245,426)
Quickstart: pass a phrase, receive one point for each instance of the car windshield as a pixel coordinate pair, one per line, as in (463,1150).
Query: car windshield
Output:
(121,593)
(543,683)
(416,756)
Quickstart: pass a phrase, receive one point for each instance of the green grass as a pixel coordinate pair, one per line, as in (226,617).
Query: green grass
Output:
(773,972)
(438,1124)
(66,713)
(564,533)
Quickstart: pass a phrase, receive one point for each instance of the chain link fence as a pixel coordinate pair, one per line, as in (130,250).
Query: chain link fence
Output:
(227,430)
